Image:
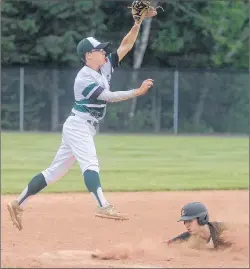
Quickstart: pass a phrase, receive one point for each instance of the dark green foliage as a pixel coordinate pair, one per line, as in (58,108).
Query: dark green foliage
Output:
(42,35)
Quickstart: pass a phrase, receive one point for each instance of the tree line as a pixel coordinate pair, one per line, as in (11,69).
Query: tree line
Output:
(187,35)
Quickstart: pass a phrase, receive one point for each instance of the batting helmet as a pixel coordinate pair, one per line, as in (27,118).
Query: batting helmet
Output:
(195,210)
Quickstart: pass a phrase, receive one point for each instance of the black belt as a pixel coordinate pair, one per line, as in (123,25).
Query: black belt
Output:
(94,123)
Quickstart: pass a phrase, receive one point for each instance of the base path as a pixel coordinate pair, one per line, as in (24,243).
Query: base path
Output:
(60,230)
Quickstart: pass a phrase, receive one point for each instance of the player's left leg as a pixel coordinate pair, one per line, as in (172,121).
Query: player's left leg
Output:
(63,160)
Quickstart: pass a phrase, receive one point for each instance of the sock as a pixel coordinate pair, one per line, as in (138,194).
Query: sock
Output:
(92,182)
(36,184)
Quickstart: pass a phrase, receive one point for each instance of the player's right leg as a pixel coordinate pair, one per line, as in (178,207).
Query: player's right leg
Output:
(80,137)
(63,160)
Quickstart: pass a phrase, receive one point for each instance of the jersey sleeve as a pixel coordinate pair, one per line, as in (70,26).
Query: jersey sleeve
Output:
(181,237)
(87,88)
(117,96)
(114,59)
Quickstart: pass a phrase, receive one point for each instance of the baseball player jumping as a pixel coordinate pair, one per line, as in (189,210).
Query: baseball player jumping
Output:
(92,93)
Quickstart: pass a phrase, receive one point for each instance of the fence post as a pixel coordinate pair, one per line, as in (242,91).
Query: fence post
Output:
(21,100)
(176,101)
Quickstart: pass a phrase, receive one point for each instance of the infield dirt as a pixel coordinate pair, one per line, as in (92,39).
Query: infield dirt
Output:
(60,230)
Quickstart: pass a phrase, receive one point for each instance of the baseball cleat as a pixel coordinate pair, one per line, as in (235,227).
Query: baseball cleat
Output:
(109,212)
(15,212)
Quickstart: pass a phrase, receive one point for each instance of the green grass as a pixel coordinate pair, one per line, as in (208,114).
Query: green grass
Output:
(133,163)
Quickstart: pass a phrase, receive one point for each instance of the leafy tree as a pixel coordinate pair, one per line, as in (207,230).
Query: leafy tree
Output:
(188,34)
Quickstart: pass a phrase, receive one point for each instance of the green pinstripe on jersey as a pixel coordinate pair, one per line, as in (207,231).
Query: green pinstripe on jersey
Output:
(96,108)
(88,89)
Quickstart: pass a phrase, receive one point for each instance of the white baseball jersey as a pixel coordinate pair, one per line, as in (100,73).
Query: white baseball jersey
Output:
(88,86)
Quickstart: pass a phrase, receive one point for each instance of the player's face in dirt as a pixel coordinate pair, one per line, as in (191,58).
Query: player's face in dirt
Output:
(97,57)
(192,226)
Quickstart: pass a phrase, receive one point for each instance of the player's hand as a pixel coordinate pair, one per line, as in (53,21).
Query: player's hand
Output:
(145,86)
(151,13)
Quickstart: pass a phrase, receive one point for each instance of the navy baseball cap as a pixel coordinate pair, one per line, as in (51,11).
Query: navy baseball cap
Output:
(193,210)
(88,44)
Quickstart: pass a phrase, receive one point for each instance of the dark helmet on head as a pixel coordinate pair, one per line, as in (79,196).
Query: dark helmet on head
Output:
(195,210)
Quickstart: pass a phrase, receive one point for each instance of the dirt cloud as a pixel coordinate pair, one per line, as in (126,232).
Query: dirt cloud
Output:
(149,249)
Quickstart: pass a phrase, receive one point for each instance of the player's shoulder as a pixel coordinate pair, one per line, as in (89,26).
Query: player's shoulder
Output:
(82,80)
(83,75)
(218,225)
(217,229)
(84,71)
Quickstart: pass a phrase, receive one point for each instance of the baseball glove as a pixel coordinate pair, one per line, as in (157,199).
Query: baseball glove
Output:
(142,9)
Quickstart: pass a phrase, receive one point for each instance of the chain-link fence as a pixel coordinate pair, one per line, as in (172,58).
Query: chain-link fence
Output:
(182,101)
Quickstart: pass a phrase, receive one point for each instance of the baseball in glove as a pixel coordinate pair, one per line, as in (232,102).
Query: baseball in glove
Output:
(143,9)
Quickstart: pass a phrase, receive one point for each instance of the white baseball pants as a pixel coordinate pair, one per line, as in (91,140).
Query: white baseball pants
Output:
(77,145)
